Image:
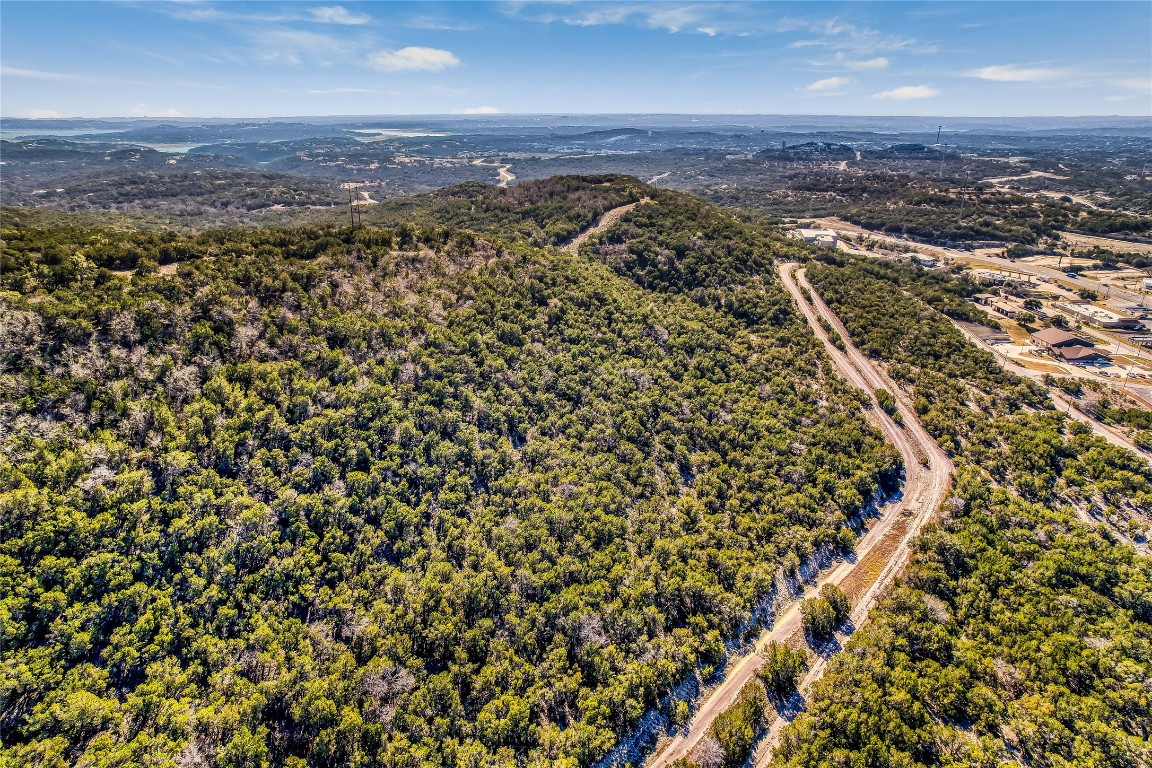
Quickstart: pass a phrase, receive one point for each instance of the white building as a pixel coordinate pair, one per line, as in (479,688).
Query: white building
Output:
(998,277)
(1098,316)
(824,237)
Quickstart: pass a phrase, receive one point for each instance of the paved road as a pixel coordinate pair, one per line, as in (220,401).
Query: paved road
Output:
(887,541)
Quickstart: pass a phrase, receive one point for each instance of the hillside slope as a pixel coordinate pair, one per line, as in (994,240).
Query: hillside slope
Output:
(413,496)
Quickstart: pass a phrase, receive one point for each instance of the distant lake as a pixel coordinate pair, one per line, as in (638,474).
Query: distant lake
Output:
(380,134)
(176,149)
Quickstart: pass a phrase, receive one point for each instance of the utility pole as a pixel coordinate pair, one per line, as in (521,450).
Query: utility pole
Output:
(941,173)
(938,129)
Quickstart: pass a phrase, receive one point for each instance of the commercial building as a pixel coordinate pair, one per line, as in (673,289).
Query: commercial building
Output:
(926,261)
(1057,338)
(824,237)
(1098,316)
(999,278)
(1004,308)
(984,299)
(1080,355)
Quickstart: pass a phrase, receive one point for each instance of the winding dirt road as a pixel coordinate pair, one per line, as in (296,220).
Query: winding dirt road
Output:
(503,174)
(881,553)
(607,219)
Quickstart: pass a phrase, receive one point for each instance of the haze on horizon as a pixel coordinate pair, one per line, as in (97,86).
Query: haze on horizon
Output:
(267,59)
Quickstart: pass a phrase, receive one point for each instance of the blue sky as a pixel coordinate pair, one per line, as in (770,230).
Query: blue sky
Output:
(263,59)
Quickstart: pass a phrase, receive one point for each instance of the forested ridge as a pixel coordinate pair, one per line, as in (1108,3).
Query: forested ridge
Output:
(416,496)
(434,493)
(1022,634)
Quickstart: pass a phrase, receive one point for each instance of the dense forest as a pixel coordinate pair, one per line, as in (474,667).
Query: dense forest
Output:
(407,496)
(434,492)
(1022,633)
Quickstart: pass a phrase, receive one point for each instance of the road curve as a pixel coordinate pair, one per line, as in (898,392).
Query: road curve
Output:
(883,550)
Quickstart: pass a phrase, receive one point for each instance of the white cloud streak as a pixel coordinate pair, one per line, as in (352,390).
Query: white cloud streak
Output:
(879,62)
(144,110)
(1134,83)
(828,84)
(414,58)
(838,35)
(479,111)
(324,91)
(907,93)
(36,74)
(337,14)
(41,114)
(1011,73)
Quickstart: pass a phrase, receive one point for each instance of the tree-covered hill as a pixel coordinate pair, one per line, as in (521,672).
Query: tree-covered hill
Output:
(434,492)
(416,496)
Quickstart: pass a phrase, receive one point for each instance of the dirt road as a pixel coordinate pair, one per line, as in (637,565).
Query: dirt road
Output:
(881,553)
(503,175)
(607,219)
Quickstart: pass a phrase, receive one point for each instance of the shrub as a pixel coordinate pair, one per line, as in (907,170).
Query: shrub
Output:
(819,617)
(782,668)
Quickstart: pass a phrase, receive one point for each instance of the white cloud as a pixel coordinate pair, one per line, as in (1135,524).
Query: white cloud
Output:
(711,19)
(1134,83)
(479,111)
(904,93)
(145,111)
(435,22)
(337,14)
(40,114)
(879,62)
(295,46)
(828,84)
(1010,73)
(838,35)
(844,62)
(36,74)
(413,58)
(342,90)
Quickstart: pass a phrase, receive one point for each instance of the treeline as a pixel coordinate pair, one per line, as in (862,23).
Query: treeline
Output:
(209,189)
(408,497)
(543,212)
(1020,634)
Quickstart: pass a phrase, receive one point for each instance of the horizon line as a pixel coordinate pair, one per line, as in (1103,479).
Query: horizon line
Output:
(496,115)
